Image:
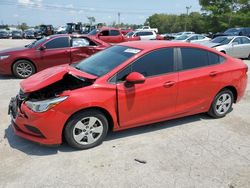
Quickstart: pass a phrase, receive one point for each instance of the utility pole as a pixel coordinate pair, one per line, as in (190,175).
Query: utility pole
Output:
(188,8)
(119,16)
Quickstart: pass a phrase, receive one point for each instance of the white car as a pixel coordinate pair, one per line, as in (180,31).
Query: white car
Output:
(147,28)
(144,35)
(235,46)
(194,38)
(184,33)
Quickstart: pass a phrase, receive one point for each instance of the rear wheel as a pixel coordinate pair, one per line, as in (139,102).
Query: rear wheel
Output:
(222,104)
(23,69)
(86,129)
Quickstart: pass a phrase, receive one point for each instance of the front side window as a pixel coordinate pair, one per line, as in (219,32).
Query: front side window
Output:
(61,42)
(154,63)
(193,58)
(105,33)
(237,41)
(114,33)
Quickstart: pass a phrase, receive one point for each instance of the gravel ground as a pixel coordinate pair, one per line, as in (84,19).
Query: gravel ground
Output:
(194,151)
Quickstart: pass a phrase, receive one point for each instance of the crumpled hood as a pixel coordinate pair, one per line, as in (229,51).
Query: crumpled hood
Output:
(50,76)
(10,50)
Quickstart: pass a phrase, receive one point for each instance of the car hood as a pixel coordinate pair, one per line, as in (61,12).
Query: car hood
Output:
(50,76)
(210,44)
(11,50)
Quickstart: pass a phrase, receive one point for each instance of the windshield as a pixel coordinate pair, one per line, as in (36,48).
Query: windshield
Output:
(232,31)
(129,34)
(182,37)
(222,40)
(105,61)
(94,32)
(37,42)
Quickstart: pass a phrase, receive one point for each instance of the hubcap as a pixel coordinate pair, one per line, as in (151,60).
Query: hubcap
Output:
(24,69)
(223,104)
(88,130)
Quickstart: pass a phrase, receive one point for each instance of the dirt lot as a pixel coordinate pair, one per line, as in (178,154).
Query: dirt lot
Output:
(195,151)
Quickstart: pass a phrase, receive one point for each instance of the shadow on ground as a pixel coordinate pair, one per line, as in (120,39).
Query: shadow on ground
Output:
(5,77)
(31,148)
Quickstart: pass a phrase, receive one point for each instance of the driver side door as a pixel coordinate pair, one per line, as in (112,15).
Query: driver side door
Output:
(155,99)
(56,52)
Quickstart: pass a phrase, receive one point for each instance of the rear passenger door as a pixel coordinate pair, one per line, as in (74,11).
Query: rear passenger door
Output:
(200,77)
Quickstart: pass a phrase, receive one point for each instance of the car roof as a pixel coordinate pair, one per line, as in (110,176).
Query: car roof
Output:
(156,44)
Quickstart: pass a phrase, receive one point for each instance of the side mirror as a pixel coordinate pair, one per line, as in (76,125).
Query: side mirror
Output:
(100,34)
(41,48)
(135,78)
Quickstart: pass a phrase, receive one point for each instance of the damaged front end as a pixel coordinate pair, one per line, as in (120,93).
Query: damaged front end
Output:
(49,96)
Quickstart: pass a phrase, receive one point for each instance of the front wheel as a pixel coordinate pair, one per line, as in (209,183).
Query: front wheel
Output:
(86,129)
(23,69)
(222,104)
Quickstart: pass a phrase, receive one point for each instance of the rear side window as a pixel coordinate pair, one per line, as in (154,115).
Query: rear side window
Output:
(61,42)
(193,58)
(114,33)
(215,59)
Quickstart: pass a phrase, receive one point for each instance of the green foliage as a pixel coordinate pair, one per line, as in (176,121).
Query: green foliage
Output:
(217,16)
(23,26)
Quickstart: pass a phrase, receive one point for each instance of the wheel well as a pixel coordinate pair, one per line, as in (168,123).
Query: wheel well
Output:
(23,59)
(223,52)
(234,91)
(105,112)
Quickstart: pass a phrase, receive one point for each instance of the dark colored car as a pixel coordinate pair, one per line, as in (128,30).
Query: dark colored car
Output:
(45,30)
(241,31)
(17,34)
(47,52)
(127,85)
(4,35)
(29,34)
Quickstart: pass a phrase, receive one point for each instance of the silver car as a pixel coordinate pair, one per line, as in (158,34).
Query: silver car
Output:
(235,46)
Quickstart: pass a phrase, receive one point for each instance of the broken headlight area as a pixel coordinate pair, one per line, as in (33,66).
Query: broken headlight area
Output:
(45,105)
(49,96)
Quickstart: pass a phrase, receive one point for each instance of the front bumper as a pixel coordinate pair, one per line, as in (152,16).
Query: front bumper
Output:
(5,66)
(44,128)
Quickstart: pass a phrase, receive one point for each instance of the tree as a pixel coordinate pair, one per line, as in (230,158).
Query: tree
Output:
(23,26)
(91,20)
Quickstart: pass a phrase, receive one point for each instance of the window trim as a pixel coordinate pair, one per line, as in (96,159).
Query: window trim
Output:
(180,64)
(175,66)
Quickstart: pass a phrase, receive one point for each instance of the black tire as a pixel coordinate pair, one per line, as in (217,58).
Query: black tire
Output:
(71,131)
(223,52)
(214,109)
(28,69)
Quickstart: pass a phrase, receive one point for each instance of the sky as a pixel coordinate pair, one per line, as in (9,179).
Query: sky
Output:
(59,12)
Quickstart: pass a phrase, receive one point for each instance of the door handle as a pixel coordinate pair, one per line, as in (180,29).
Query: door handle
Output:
(169,84)
(67,51)
(213,73)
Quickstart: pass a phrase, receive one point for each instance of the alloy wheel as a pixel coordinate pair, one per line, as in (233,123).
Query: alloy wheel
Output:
(88,130)
(223,104)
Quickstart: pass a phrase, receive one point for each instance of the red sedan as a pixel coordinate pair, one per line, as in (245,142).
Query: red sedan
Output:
(48,52)
(124,86)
